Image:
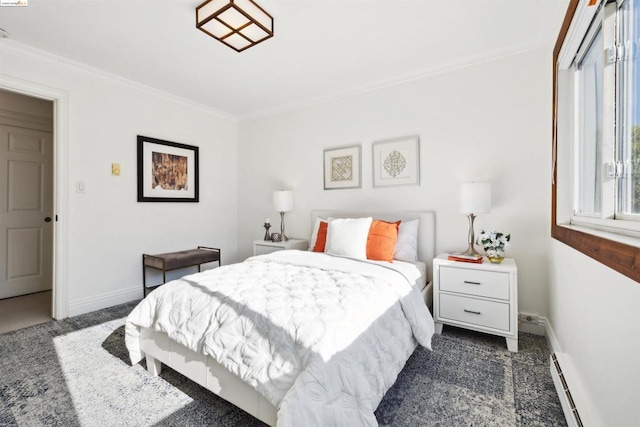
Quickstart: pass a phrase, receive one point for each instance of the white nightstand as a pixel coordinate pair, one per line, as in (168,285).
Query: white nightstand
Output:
(482,297)
(261,247)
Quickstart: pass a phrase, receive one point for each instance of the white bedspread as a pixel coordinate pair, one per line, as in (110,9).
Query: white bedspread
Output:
(321,337)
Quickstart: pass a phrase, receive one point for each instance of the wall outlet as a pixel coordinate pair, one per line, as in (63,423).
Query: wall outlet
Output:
(528,318)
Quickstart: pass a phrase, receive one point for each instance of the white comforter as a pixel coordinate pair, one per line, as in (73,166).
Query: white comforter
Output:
(321,337)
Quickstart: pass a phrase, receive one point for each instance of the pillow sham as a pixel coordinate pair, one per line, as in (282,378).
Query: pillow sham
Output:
(321,237)
(407,244)
(314,232)
(381,241)
(348,237)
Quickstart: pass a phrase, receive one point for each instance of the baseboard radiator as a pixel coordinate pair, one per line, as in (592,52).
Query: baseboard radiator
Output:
(566,400)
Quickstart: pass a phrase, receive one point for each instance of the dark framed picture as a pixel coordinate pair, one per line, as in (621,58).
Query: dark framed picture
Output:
(167,171)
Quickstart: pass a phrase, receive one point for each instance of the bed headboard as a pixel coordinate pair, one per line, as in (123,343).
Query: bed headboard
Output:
(426,228)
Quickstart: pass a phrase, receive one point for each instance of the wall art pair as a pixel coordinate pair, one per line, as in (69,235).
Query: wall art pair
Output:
(394,162)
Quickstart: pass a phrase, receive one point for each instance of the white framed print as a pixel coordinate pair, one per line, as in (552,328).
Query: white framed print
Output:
(342,167)
(396,162)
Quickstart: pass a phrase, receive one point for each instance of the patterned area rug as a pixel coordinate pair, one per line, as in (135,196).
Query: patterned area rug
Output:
(77,372)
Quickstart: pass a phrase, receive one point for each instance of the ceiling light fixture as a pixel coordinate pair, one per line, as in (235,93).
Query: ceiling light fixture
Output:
(239,24)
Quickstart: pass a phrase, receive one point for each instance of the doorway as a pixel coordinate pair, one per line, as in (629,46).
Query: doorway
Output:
(26,206)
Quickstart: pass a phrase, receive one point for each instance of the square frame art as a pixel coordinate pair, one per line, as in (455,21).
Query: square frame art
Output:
(396,162)
(342,167)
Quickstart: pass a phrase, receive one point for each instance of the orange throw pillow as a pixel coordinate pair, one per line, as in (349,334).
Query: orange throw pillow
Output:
(321,239)
(382,240)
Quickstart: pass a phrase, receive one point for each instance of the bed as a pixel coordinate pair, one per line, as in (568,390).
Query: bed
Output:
(299,338)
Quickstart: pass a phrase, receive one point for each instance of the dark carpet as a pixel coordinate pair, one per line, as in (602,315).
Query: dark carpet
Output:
(76,372)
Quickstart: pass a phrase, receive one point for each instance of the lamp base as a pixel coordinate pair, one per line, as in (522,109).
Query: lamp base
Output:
(471,251)
(283,237)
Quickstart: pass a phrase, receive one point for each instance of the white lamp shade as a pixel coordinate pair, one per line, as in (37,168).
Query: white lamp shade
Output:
(283,200)
(475,197)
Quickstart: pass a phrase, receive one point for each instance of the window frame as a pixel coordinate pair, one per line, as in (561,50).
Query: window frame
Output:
(595,32)
(621,257)
(623,115)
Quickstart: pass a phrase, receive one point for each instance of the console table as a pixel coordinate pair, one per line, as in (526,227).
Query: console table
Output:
(175,260)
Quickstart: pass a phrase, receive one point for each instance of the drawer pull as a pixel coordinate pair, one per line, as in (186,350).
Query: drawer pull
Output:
(471,283)
(471,311)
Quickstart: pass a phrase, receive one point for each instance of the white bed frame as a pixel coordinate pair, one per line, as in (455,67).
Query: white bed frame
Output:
(204,370)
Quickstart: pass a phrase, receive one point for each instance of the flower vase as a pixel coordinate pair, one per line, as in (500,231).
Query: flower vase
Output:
(496,256)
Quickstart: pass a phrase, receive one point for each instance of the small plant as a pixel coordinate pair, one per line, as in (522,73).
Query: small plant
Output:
(494,243)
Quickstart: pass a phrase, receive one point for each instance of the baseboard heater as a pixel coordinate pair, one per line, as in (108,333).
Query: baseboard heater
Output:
(566,400)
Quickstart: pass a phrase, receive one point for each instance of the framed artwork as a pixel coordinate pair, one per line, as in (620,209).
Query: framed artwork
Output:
(396,162)
(342,167)
(167,171)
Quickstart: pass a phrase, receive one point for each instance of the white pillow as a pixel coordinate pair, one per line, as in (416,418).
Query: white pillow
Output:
(407,244)
(348,237)
(314,232)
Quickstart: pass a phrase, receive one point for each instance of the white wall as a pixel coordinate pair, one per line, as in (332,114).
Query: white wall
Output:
(107,229)
(595,313)
(488,122)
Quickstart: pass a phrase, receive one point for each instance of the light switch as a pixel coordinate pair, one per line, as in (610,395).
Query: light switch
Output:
(115,169)
(80,187)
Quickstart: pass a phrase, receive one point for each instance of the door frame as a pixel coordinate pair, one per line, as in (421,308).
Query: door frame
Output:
(60,299)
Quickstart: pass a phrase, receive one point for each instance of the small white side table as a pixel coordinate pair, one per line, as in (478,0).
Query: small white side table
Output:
(261,247)
(482,297)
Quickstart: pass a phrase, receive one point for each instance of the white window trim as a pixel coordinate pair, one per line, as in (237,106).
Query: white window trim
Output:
(616,226)
(609,234)
(579,26)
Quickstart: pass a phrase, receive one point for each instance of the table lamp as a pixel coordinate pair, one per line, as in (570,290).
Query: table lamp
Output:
(283,202)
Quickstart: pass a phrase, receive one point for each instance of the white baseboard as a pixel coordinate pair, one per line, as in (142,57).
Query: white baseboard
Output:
(579,396)
(552,340)
(86,305)
(533,328)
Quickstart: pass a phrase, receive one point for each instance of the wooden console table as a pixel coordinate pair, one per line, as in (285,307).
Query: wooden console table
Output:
(175,260)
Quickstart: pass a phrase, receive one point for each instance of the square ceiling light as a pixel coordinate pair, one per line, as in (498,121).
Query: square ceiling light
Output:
(239,24)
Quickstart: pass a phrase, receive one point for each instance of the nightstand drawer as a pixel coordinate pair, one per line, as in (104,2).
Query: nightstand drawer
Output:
(490,314)
(489,284)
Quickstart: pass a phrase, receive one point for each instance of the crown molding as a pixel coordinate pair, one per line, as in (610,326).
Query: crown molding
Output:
(395,81)
(26,50)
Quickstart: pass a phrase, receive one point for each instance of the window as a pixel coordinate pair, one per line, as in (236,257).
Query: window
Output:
(605,188)
(596,87)
(628,117)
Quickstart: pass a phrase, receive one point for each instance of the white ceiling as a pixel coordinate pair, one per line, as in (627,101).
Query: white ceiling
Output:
(321,49)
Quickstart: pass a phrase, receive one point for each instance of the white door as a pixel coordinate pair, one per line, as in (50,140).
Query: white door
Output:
(26,211)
